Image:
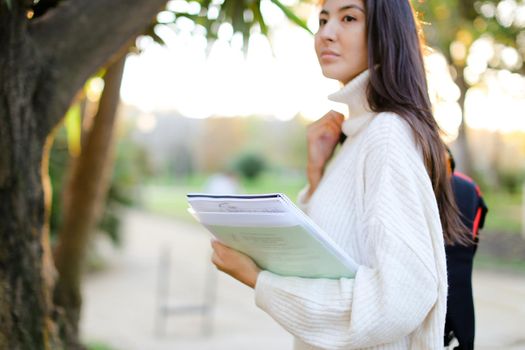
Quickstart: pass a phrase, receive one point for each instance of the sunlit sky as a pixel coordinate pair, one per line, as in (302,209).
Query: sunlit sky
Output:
(284,79)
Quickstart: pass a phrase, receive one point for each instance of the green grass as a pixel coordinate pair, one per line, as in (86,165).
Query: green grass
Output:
(169,198)
(164,196)
(504,211)
(485,262)
(98,346)
(164,200)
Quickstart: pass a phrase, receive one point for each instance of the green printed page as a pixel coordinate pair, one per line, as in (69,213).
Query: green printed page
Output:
(286,251)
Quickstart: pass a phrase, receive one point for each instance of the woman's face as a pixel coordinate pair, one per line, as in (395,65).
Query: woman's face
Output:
(341,42)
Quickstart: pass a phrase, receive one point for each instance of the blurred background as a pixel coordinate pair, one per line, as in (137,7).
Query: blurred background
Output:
(216,96)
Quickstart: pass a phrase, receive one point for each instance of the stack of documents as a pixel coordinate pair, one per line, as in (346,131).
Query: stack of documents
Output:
(276,234)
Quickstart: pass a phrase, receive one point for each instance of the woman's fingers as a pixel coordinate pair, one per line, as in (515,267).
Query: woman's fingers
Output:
(234,263)
(322,137)
(216,260)
(336,117)
(221,253)
(333,114)
(217,252)
(219,247)
(327,129)
(332,120)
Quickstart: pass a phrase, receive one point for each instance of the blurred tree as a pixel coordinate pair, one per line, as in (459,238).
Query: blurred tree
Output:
(453,26)
(83,202)
(49,49)
(249,165)
(88,199)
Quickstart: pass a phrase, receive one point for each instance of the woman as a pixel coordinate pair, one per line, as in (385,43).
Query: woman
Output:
(384,198)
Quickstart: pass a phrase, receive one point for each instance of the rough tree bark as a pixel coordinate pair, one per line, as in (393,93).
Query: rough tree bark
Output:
(83,199)
(43,63)
(23,309)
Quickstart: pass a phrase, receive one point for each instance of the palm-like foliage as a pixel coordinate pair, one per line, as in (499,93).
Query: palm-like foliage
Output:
(243,15)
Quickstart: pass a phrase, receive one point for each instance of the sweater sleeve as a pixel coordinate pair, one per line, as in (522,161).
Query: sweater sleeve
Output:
(394,291)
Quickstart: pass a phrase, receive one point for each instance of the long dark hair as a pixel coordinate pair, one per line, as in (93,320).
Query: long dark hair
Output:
(398,84)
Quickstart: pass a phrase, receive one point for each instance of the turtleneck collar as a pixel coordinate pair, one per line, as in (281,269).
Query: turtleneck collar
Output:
(353,94)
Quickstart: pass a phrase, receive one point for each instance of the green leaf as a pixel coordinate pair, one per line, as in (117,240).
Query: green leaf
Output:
(73,123)
(259,18)
(292,16)
(9,4)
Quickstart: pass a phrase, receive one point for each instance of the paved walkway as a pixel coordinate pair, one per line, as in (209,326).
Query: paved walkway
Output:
(120,302)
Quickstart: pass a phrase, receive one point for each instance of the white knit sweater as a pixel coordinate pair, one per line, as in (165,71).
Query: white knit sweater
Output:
(376,201)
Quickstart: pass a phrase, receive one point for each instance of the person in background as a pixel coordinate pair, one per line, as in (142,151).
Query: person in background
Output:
(460,320)
(384,197)
(225,182)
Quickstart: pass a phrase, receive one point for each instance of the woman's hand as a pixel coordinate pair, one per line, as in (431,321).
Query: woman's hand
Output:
(322,136)
(239,266)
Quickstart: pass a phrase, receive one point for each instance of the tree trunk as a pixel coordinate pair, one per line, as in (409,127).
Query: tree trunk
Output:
(463,158)
(25,303)
(84,197)
(43,64)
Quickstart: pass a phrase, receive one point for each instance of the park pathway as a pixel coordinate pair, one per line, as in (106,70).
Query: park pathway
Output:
(120,301)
